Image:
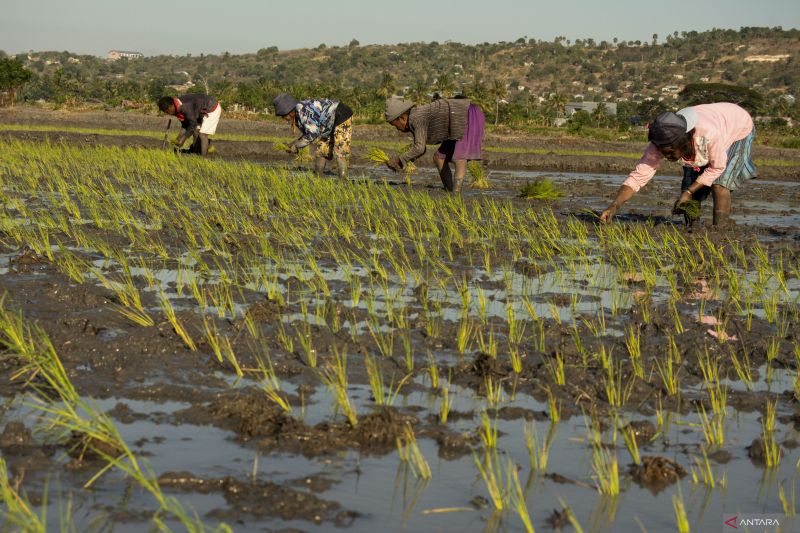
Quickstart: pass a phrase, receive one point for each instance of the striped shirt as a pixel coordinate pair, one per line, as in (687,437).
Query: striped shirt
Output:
(434,123)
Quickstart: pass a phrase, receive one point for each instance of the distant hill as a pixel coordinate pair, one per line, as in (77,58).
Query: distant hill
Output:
(524,81)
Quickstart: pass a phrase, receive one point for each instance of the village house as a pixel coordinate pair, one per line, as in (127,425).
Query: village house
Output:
(113,55)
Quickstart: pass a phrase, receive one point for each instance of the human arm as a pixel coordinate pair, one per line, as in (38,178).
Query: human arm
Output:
(418,126)
(624,194)
(645,169)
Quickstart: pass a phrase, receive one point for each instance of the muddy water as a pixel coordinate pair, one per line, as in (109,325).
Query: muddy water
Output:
(217,444)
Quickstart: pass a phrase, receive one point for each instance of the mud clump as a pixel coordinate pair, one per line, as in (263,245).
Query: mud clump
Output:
(261,499)
(378,431)
(15,435)
(656,473)
(643,430)
(264,311)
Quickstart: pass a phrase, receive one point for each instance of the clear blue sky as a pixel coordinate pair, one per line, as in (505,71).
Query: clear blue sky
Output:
(153,27)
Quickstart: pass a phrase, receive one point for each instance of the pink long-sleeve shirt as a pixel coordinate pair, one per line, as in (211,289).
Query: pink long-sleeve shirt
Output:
(720,124)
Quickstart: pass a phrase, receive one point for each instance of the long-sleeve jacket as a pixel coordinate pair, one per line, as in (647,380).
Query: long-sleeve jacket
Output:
(194,107)
(718,127)
(318,118)
(441,120)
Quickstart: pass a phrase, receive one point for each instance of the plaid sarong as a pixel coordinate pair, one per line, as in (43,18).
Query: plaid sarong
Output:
(740,165)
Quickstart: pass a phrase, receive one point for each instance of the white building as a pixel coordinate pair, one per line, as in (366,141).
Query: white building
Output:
(113,55)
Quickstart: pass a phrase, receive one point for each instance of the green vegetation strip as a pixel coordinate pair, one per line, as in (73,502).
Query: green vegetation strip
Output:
(392,145)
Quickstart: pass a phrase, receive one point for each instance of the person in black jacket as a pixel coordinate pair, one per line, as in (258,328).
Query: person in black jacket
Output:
(199,115)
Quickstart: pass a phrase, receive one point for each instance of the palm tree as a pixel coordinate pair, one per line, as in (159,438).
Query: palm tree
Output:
(498,91)
(387,86)
(444,85)
(599,114)
(418,93)
(559,102)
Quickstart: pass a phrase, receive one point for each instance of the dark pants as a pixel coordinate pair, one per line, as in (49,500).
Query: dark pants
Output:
(689,177)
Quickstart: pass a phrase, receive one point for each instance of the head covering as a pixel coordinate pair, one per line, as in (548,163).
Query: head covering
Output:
(284,104)
(667,129)
(396,106)
(691,117)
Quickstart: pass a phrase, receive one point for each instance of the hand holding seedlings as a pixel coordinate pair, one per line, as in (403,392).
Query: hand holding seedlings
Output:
(394,163)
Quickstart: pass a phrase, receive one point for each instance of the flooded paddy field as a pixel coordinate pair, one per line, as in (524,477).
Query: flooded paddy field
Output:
(213,344)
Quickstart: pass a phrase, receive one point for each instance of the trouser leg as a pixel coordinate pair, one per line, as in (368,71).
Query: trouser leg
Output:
(722,204)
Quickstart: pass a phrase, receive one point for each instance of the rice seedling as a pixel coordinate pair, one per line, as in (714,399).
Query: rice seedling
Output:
(518,497)
(18,511)
(668,374)
(772,449)
(681,520)
(556,367)
(377,156)
(491,471)
(606,470)
(488,431)
(383,395)
(788,502)
(538,451)
(478,173)
(285,340)
(773,348)
(464,334)
(446,404)
(540,189)
(629,437)
(271,385)
(409,452)
(691,210)
(334,376)
(304,337)
(169,312)
(702,473)
(494,391)
(554,407)
(743,369)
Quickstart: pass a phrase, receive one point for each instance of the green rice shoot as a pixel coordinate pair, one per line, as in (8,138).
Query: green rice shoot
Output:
(478,174)
(540,189)
(377,156)
(691,209)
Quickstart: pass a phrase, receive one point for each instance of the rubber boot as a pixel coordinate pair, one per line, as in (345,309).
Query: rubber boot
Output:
(722,206)
(319,165)
(341,163)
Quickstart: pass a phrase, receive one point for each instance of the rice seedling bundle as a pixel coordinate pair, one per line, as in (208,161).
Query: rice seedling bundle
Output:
(691,209)
(478,174)
(540,189)
(377,156)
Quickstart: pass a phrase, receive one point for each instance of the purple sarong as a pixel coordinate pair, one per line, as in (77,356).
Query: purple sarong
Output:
(470,146)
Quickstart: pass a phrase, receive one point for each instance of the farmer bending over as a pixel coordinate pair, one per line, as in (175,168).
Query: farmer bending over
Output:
(455,123)
(713,143)
(199,115)
(328,124)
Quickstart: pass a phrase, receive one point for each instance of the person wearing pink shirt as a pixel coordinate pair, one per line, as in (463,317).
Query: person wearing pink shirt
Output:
(713,142)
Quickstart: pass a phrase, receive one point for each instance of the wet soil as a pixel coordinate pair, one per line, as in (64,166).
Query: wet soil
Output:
(109,358)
